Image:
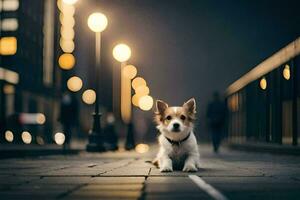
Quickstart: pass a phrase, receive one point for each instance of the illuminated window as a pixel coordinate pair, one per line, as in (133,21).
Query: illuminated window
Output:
(8,46)
(10,5)
(9,24)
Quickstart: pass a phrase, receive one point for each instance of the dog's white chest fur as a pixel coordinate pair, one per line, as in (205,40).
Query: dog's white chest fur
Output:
(183,156)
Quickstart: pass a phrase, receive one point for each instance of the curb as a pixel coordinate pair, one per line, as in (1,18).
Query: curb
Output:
(266,148)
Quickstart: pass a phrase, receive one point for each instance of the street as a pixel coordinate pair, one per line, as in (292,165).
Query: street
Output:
(129,175)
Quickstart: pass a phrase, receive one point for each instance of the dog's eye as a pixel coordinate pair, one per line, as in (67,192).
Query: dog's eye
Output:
(182,117)
(169,117)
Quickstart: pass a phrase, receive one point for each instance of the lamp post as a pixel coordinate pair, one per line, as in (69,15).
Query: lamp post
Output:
(97,22)
(122,53)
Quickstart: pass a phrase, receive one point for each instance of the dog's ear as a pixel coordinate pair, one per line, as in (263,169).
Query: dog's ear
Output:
(190,105)
(161,107)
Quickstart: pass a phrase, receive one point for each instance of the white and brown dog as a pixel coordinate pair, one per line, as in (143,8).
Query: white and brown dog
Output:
(178,144)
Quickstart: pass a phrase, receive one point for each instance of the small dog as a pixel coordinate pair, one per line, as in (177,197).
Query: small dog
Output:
(178,144)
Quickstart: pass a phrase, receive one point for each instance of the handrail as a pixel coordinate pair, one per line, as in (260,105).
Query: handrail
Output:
(271,63)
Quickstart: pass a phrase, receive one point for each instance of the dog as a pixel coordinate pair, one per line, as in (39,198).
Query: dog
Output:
(178,145)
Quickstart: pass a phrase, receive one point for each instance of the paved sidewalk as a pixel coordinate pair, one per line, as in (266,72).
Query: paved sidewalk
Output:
(128,175)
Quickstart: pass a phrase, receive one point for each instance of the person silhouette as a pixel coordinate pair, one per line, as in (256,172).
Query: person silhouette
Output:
(68,116)
(216,114)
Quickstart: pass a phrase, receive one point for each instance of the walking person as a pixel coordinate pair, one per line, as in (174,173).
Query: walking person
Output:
(68,116)
(215,114)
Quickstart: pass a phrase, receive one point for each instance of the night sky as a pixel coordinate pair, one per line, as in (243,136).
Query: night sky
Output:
(190,48)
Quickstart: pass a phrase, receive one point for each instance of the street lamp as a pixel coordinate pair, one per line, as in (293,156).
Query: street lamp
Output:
(97,22)
(122,53)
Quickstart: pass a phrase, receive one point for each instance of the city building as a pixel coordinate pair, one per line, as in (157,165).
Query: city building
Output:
(30,81)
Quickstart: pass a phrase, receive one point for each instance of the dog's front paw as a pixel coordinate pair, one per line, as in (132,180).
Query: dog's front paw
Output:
(166,169)
(190,168)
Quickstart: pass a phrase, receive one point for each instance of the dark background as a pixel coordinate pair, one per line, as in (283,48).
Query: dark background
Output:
(188,48)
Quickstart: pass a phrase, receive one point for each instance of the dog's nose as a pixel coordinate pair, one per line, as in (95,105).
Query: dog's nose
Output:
(176,126)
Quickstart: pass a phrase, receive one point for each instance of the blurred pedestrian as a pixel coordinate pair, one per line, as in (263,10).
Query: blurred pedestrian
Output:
(215,114)
(68,116)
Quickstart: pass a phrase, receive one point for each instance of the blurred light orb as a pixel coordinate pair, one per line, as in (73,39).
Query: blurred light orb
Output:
(59,138)
(263,83)
(286,72)
(26,137)
(9,136)
(135,99)
(130,71)
(137,82)
(67,46)
(67,33)
(97,22)
(146,102)
(89,96)
(66,61)
(70,2)
(67,9)
(142,90)
(142,148)
(74,84)
(40,118)
(121,52)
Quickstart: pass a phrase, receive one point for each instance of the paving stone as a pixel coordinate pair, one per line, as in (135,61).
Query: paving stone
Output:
(117,180)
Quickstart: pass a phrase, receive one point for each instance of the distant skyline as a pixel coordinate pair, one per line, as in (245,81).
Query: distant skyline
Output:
(190,48)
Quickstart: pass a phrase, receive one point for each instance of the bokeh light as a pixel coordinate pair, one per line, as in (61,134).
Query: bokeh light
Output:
(40,118)
(146,103)
(26,137)
(59,138)
(67,46)
(142,148)
(89,96)
(135,99)
(74,83)
(138,81)
(286,72)
(70,2)
(142,90)
(121,52)
(66,61)
(263,83)
(130,71)
(9,136)
(97,22)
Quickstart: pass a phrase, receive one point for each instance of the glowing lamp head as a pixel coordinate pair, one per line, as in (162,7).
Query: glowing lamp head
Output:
(122,52)
(97,22)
